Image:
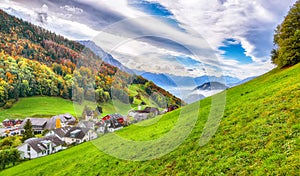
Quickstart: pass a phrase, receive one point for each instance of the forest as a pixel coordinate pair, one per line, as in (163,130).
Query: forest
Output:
(34,61)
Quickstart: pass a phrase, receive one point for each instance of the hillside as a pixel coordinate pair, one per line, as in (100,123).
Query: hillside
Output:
(51,106)
(258,135)
(35,62)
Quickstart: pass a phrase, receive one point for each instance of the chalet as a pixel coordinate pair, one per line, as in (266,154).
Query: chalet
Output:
(41,124)
(64,119)
(38,147)
(79,135)
(11,123)
(148,112)
(172,108)
(87,124)
(38,125)
(113,122)
(88,115)
(59,132)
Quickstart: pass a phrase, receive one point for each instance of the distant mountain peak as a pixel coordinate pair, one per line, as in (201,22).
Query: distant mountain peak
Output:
(211,86)
(106,57)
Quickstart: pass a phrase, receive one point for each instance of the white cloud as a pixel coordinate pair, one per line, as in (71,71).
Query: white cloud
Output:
(216,21)
(213,20)
(72,9)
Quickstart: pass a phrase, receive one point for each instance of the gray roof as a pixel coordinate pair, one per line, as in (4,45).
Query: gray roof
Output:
(77,132)
(38,144)
(35,122)
(64,118)
(61,132)
(87,124)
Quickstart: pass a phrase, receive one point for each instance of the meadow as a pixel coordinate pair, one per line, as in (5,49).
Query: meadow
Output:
(258,134)
(45,107)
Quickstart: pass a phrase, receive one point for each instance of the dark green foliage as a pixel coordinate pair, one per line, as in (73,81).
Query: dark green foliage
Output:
(287,39)
(8,156)
(28,133)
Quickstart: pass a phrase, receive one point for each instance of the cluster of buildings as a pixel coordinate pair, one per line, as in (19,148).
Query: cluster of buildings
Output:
(64,130)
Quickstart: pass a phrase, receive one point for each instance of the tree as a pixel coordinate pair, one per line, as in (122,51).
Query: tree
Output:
(28,133)
(287,39)
(14,156)
(8,156)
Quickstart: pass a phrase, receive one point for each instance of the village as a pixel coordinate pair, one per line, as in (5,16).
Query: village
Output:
(63,131)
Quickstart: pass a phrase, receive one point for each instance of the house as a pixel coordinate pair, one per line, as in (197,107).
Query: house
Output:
(112,122)
(59,132)
(65,120)
(172,108)
(11,123)
(79,135)
(38,147)
(88,115)
(101,127)
(148,112)
(38,125)
(41,124)
(87,124)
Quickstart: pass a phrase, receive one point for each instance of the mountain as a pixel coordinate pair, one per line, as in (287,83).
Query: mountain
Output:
(183,86)
(193,98)
(161,80)
(211,86)
(106,57)
(258,134)
(35,61)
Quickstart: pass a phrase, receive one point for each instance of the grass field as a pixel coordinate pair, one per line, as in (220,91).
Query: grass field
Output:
(51,106)
(38,107)
(259,134)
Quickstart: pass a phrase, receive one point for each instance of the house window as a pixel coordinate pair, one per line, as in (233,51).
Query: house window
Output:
(28,148)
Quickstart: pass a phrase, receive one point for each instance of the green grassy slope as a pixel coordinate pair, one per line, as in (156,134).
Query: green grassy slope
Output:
(49,106)
(38,106)
(258,135)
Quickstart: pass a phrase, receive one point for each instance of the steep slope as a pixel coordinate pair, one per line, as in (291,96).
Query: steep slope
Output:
(258,135)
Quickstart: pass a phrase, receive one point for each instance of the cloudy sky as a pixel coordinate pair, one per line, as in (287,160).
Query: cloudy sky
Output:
(179,37)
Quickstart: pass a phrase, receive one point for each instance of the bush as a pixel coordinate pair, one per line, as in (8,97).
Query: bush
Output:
(8,105)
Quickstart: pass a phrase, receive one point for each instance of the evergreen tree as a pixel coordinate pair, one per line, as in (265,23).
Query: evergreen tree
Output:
(28,133)
(287,39)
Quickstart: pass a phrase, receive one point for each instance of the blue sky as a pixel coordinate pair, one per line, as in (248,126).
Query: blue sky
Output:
(233,50)
(227,37)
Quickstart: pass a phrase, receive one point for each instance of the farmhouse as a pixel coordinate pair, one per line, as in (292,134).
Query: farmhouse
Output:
(37,147)
(38,125)
(65,120)
(112,122)
(148,112)
(59,132)
(41,124)
(87,124)
(79,135)
(11,123)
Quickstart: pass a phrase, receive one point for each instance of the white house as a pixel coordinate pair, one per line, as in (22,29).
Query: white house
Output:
(59,132)
(86,124)
(79,135)
(38,147)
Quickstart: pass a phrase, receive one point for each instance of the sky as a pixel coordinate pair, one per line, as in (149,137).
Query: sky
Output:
(179,37)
